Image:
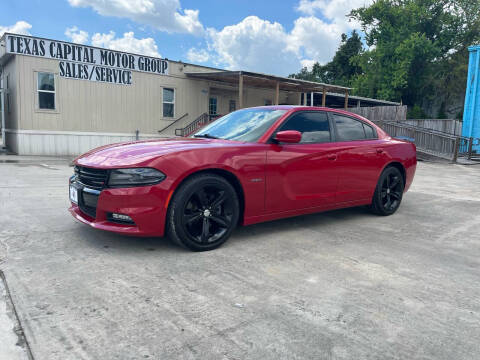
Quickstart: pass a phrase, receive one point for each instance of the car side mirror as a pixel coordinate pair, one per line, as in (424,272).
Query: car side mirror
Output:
(288,136)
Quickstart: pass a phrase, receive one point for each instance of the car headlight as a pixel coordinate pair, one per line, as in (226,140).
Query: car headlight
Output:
(135,177)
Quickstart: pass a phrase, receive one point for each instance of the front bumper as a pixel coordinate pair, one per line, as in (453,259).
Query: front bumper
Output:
(146,206)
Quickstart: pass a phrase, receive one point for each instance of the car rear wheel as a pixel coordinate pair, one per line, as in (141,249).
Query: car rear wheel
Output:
(388,193)
(203,213)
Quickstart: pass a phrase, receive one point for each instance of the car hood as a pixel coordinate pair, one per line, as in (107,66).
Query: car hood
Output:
(142,152)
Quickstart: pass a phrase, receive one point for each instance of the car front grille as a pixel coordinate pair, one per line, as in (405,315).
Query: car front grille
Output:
(88,203)
(91,177)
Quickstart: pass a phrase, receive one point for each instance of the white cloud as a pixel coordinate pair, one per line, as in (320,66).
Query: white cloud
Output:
(198,55)
(335,11)
(20,27)
(308,64)
(76,35)
(259,45)
(308,7)
(127,43)
(253,44)
(313,39)
(164,15)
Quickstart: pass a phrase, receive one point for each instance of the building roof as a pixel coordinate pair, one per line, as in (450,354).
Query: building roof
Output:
(288,84)
(365,99)
(260,79)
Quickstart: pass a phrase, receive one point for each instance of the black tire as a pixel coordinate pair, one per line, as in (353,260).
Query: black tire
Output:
(388,193)
(203,213)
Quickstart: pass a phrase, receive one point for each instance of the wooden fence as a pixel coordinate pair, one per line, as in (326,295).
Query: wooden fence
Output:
(382,113)
(399,113)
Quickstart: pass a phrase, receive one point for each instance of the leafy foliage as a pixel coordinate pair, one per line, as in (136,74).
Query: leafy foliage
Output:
(416,51)
(416,112)
(412,42)
(341,69)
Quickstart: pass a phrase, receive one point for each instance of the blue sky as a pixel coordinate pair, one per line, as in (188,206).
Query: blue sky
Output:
(277,37)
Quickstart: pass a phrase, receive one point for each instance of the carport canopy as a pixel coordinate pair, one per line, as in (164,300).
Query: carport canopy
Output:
(243,78)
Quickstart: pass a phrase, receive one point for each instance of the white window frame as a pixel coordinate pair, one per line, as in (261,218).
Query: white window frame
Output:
(54,92)
(169,102)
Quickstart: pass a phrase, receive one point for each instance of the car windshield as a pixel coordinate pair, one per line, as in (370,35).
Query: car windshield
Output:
(243,125)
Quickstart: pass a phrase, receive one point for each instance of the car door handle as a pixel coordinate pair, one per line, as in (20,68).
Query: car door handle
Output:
(380,151)
(332,157)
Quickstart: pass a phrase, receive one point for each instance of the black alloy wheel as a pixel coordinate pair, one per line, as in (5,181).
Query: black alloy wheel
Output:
(203,213)
(389,192)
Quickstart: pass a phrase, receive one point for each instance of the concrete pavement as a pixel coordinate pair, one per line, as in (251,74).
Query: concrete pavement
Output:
(339,285)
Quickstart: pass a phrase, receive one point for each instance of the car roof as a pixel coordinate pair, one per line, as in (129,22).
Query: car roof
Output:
(299,108)
(309,108)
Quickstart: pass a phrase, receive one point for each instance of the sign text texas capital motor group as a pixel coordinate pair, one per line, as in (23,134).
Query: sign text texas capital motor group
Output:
(85,62)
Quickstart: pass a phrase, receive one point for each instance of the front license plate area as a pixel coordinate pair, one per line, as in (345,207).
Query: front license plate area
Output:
(73,194)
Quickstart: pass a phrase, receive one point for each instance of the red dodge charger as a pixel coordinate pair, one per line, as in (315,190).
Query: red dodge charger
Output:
(252,165)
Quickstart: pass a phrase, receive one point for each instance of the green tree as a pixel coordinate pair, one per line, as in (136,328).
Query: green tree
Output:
(341,70)
(414,51)
(417,49)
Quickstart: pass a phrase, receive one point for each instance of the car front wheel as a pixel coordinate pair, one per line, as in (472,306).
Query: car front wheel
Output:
(388,193)
(203,212)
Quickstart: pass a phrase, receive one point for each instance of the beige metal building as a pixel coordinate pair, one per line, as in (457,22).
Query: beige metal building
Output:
(62,98)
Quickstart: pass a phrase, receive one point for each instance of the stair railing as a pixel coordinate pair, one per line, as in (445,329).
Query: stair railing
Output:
(196,124)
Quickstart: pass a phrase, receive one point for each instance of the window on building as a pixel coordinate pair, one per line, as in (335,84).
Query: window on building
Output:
(314,126)
(232,106)
(7,92)
(46,91)
(212,106)
(349,129)
(168,102)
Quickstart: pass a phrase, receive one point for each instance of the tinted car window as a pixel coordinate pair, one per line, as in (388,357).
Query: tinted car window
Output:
(348,128)
(369,131)
(314,126)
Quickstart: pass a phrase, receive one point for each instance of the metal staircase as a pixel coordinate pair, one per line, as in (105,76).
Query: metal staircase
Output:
(196,124)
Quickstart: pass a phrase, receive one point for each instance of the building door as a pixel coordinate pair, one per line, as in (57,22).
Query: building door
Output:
(212,107)
(232,105)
